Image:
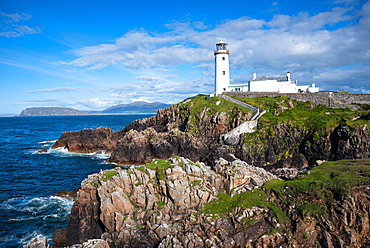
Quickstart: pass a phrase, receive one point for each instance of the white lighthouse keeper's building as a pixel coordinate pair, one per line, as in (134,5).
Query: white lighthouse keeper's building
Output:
(222,71)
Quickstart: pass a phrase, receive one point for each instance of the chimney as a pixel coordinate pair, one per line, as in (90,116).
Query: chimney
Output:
(254,75)
(288,75)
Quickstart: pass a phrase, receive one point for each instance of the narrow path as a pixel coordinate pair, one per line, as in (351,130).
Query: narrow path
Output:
(233,136)
(256,111)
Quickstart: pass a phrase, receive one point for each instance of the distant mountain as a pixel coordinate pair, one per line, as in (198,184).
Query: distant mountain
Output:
(137,107)
(50,111)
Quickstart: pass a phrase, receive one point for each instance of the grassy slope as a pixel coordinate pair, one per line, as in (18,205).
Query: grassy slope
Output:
(322,185)
(305,115)
(210,106)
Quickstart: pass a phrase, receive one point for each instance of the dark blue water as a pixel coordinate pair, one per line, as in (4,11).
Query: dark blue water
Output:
(28,179)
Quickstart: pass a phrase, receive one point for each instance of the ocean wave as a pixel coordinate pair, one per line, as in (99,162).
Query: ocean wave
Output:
(63,152)
(47,141)
(36,215)
(39,207)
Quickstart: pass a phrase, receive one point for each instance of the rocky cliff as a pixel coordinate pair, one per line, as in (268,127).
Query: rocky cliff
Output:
(220,201)
(291,134)
(178,203)
(158,203)
(190,129)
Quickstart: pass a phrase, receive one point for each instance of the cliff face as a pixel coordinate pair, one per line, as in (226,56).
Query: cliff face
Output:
(194,129)
(87,140)
(221,202)
(178,203)
(297,148)
(158,203)
(182,129)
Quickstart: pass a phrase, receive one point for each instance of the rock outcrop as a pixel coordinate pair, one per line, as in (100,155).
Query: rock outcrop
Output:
(164,204)
(159,203)
(87,140)
(37,243)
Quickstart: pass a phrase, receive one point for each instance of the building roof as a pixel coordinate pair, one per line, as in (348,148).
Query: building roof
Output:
(279,79)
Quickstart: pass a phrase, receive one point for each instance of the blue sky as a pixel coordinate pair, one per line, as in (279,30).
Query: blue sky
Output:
(90,55)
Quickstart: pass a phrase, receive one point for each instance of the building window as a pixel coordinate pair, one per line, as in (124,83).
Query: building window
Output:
(223,58)
(223,73)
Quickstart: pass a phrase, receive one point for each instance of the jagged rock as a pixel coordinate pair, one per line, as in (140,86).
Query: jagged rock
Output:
(37,243)
(147,207)
(87,140)
(241,176)
(286,173)
(141,201)
(92,243)
(67,194)
(60,238)
(84,219)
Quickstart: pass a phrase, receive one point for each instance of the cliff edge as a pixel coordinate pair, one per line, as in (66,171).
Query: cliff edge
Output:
(291,134)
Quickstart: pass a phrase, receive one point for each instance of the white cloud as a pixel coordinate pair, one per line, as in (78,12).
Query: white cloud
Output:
(326,44)
(59,89)
(8,28)
(94,103)
(15,17)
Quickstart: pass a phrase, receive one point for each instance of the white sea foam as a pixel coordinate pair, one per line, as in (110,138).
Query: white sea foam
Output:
(53,205)
(29,236)
(42,211)
(63,152)
(47,141)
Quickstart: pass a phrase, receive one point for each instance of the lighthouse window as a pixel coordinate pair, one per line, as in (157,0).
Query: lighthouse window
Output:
(223,73)
(223,58)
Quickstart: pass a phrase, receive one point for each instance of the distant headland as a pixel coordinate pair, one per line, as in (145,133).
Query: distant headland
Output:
(139,107)
(50,111)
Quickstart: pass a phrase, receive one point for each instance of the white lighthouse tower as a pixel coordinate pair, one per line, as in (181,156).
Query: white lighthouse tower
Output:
(222,72)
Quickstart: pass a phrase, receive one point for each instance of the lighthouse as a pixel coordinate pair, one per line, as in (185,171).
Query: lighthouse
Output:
(222,72)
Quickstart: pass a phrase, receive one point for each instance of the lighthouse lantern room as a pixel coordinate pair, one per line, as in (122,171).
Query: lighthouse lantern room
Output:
(222,72)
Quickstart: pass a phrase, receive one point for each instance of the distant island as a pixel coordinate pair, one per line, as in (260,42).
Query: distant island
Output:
(139,107)
(50,111)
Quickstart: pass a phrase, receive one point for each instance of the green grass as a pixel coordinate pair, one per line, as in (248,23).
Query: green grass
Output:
(196,182)
(325,180)
(160,204)
(109,174)
(94,183)
(227,204)
(301,115)
(210,106)
(312,209)
(160,166)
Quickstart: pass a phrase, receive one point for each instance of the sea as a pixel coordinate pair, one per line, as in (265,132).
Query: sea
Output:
(29,179)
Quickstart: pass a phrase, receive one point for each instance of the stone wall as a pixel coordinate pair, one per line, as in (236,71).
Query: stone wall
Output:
(330,99)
